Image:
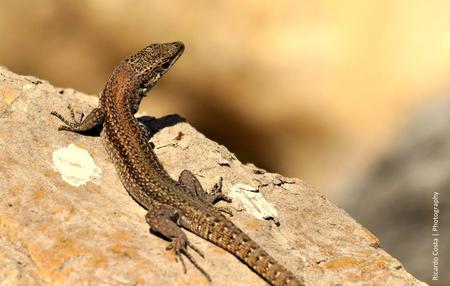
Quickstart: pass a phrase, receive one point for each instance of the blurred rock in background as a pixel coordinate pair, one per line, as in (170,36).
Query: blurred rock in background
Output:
(395,198)
(310,89)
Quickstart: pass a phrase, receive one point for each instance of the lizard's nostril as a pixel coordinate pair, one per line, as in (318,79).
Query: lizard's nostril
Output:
(180,45)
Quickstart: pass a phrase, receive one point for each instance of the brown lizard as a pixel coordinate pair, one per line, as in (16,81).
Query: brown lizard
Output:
(171,204)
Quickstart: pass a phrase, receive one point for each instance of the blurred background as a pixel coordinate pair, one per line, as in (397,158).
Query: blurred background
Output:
(351,97)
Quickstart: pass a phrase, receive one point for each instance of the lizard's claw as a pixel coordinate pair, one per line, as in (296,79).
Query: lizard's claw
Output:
(69,125)
(216,193)
(180,248)
(175,247)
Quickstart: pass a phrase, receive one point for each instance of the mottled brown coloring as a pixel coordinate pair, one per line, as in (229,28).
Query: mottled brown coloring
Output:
(171,204)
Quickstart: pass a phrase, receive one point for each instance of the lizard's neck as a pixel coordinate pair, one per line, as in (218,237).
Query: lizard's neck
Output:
(122,94)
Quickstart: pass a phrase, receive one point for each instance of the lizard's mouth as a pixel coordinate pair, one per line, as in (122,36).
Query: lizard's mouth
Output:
(178,54)
(180,47)
(159,71)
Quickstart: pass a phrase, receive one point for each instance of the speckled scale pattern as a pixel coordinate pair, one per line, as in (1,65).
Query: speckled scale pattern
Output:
(170,203)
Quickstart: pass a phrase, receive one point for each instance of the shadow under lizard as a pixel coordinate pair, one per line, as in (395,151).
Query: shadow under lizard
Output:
(171,204)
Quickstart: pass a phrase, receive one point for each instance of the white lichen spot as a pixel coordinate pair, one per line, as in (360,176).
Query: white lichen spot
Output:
(75,165)
(253,202)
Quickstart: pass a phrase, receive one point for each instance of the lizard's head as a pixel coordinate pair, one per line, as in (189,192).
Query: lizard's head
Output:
(152,62)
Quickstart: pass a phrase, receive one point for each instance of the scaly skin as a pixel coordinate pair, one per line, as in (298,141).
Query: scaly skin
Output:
(171,204)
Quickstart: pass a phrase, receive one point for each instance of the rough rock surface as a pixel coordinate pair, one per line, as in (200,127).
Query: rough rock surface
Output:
(65,218)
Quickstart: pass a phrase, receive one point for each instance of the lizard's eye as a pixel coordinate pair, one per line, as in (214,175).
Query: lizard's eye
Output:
(166,65)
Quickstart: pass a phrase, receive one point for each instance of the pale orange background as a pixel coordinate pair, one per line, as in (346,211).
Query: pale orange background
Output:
(311,89)
(319,86)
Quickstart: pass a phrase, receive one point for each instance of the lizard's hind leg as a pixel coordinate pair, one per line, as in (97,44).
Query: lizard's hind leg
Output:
(165,220)
(192,184)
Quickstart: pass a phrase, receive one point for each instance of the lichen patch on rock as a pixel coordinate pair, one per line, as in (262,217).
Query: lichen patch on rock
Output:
(252,201)
(52,235)
(76,165)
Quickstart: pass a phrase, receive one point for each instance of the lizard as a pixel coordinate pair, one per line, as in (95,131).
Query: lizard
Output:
(171,205)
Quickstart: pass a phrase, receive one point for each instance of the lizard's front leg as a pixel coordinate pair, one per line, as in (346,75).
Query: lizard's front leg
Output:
(93,120)
(165,220)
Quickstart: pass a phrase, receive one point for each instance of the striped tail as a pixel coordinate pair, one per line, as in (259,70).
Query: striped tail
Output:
(225,234)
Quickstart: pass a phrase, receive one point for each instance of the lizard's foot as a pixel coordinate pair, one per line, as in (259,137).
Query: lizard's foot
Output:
(93,120)
(165,220)
(180,247)
(69,125)
(216,193)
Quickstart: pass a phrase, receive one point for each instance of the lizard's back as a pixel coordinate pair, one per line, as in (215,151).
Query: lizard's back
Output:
(170,204)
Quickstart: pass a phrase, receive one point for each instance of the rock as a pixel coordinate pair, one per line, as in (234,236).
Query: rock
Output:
(403,187)
(65,218)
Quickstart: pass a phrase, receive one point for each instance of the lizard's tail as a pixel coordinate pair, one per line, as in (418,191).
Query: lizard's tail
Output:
(225,234)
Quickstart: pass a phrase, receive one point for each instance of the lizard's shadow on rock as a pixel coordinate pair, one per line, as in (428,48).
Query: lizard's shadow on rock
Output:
(154,125)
